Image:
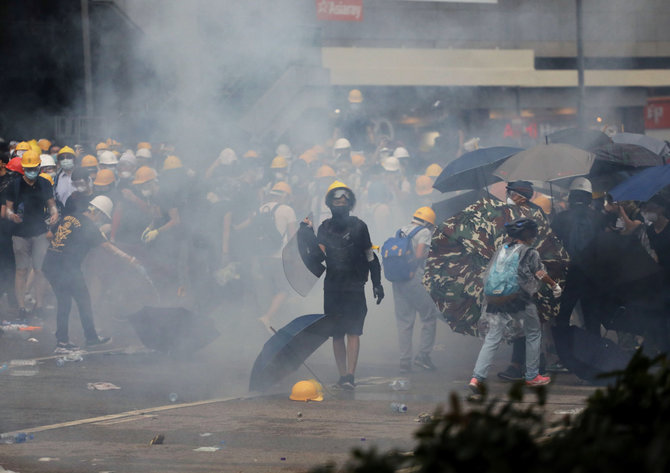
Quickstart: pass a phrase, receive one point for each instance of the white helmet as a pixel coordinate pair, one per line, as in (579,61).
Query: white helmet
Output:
(342,143)
(143,153)
(108,157)
(581,184)
(283,150)
(47,160)
(391,164)
(103,204)
(227,156)
(400,153)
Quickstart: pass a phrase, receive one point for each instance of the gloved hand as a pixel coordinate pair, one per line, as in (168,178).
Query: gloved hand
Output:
(556,291)
(378,292)
(149,235)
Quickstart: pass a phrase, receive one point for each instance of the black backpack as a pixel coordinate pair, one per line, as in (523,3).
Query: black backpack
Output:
(582,233)
(264,231)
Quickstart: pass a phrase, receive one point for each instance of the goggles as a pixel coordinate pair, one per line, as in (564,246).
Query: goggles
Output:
(339,193)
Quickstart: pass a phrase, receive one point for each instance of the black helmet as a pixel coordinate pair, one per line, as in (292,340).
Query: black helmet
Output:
(521,226)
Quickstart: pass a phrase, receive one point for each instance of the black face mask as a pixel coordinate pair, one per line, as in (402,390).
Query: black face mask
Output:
(339,212)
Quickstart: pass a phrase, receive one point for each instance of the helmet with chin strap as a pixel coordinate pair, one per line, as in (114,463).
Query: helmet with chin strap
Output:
(337,190)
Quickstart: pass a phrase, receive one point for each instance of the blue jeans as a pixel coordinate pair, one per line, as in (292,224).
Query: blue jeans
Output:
(533,331)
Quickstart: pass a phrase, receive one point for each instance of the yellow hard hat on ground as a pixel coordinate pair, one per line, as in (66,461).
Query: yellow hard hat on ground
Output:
(279,163)
(325,171)
(426,214)
(172,162)
(89,161)
(306,391)
(47,177)
(104,177)
(144,174)
(423,185)
(30,159)
(433,170)
(282,186)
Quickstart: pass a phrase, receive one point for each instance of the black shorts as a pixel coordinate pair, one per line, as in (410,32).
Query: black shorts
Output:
(348,308)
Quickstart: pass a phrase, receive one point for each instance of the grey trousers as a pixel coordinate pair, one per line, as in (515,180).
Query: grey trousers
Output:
(411,298)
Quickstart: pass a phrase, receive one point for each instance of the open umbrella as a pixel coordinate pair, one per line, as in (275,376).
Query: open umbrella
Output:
(654,145)
(173,329)
(461,249)
(546,163)
(622,154)
(583,138)
(288,348)
(473,170)
(644,185)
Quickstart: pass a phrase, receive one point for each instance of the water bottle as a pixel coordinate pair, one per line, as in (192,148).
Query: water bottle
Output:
(398,407)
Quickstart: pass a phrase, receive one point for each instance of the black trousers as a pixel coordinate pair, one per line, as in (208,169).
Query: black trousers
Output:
(7,267)
(579,288)
(67,284)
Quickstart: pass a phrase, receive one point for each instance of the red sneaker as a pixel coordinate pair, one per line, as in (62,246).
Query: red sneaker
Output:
(539,380)
(475,386)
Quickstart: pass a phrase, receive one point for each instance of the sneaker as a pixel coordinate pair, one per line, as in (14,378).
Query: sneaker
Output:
(22,314)
(65,348)
(424,362)
(475,386)
(539,380)
(557,367)
(348,384)
(511,373)
(339,383)
(98,341)
(405,367)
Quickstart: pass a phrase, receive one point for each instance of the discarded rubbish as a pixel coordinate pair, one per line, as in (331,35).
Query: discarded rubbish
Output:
(206,449)
(283,459)
(7,327)
(48,459)
(20,437)
(101,386)
(398,407)
(363,439)
(24,372)
(15,363)
(157,440)
(570,412)
(400,384)
(33,340)
(423,418)
(206,434)
(173,397)
(74,356)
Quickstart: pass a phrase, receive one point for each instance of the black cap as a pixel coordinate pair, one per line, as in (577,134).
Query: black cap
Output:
(525,188)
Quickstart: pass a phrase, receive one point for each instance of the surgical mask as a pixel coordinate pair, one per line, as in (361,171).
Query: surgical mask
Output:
(146,192)
(67,164)
(649,217)
(81,188)
(510,201)
(32,174)
(125,174)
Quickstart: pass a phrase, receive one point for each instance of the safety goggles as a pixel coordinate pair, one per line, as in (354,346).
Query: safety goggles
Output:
(339,193)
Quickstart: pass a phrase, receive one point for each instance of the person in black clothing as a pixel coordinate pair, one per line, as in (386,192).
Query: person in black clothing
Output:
(577,228)
(79,199)
(346,247)
(7,265)
(76,235)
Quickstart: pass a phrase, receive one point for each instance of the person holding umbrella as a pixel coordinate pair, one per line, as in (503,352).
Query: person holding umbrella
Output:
(344,243)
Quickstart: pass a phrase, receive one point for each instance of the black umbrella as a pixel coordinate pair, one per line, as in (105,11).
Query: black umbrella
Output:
(173,329)
(288,348)
(584,138)
(628,155)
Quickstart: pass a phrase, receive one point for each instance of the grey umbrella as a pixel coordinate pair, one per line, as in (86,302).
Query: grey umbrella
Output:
(654,145)
(547,163)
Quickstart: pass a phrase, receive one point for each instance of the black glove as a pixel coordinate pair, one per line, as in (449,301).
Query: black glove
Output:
(378,292)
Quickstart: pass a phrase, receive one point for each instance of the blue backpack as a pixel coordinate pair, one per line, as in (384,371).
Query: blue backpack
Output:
(397,256)
(502,283)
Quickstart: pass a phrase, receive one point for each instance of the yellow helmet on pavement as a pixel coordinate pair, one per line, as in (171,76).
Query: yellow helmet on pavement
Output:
(306,391)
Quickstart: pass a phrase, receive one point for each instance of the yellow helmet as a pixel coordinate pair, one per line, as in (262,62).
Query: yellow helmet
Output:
(279,163)
(325,171)
(23,146)
(47,177)
(357,160)
(30,159)
(101,146)
(144,174)
(282,186)
(250,154)
(104,177)
(44,144)
(89,161)
(35,147)
(337,185)
(65,150)
(306,391)
(423,185)
(144,145)
(426,214)
(433,170)
(172,162)
(355,96)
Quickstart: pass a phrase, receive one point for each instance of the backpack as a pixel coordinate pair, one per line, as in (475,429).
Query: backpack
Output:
(582,233)
(397,255)
(265,233)
(502,283)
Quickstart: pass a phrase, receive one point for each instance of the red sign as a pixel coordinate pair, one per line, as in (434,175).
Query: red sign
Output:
(657,113)
(339,10)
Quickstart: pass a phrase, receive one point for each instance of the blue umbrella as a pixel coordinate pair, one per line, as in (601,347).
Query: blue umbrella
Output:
(288,348)
(473,169)
(644,185)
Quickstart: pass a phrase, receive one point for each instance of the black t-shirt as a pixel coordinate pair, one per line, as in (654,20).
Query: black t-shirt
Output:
(30,202)
(660,242)
(346,262)
(77,203)
(73,239)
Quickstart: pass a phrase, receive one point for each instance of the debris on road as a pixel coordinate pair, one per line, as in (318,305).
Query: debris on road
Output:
(102,386)
(157,440)
(206,449)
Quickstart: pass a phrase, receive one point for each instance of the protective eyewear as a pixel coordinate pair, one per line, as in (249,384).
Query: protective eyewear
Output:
(339,193)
